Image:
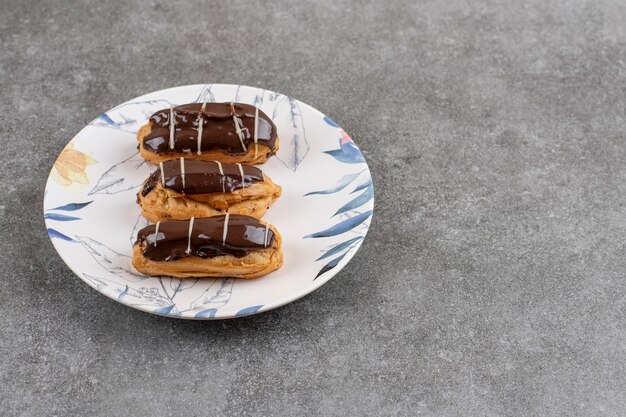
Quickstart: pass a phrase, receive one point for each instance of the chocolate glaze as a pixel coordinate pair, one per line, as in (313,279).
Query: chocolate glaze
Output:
(245,234)
(218,129)
(202,177)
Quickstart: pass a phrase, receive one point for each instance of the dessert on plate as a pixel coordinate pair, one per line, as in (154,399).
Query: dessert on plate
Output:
(220,246)
(225,132)
(184,188)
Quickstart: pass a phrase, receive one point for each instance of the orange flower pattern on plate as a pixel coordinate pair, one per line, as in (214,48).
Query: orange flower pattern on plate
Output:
(70,167)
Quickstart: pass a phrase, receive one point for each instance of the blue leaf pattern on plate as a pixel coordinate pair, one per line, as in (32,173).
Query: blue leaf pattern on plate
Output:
(97,281)
(116,290)
(209,313)
(348,153)
(289,116)
(129,117)
(105,119)
(343,226)
(59,217)
(366,196)
(119,289)
(103,284)
(123,293)
(361,186)
(217,295)
(248,310)
(330,265)
(254,96)
(139,224)
(330,121)
(151,298)
(340,185)
(206,94)
(55,234)
(178,285)
(126,175)
(258,99)
(71,206)
(164,310)
(112,261)
(339,247)
(274,100)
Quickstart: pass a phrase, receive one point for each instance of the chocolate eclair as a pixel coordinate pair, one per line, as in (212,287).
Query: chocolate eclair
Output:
(225,132)
(219,246)
(183,188)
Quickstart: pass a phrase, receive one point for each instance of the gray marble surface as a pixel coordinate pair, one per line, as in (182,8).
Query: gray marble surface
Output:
(492,280)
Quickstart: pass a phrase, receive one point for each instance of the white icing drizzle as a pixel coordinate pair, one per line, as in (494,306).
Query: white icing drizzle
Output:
(162,174)
(156,233)
(172,126)
(188,251)
(182,171)
(200,126)
(225,228)
(219,166)
(265,238)
(256,129)
(237,127)
(243,179)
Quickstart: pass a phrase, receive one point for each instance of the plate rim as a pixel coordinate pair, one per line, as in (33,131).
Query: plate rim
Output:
(296,295)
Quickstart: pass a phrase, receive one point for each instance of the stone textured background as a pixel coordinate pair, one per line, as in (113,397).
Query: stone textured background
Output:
(492,280)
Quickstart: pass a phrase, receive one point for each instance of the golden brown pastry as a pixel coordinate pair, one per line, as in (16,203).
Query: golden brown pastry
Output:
(181,189)
(225,132)
(219,246)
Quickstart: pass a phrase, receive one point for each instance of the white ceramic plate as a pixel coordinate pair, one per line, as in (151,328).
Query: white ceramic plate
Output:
(323,214)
